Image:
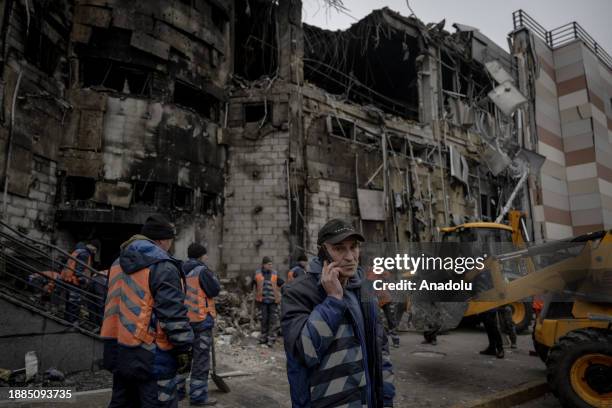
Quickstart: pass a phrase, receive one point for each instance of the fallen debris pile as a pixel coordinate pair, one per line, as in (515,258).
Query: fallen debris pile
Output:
(236,311)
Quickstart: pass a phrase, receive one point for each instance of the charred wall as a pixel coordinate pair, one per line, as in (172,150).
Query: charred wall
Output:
(116,116)
(34,49)
(147,88)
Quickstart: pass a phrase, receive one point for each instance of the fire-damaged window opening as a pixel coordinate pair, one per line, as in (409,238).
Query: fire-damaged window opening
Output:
(144,193)
(182,198)
(219,17)
(40,51)
(260,112)
(448,73)
(200,101)
(488,207)
(209,204)
(79,188)
(340,127)
(98,72)
(369,63)
(256,50)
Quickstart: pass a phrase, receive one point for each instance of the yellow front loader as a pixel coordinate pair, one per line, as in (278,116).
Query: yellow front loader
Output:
(512,233)
(573,333)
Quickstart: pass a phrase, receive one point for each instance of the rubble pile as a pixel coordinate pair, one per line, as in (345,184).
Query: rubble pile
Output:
(236,311)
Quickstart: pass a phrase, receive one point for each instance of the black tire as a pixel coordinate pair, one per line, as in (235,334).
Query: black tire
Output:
(527,321)
(540,348)
(564,355)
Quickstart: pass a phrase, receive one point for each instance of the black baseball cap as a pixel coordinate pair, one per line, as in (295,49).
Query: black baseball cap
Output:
(337,230)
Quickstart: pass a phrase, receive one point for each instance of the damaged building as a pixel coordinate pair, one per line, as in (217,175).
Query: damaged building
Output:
(111,111)
(250,129)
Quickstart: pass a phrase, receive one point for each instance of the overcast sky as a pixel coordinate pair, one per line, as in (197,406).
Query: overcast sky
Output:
(492,17)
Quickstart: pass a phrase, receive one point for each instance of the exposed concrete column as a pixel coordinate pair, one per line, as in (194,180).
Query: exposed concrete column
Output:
(290,41)
(429,86)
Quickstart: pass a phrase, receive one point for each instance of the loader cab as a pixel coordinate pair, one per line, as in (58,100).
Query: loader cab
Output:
(477,232)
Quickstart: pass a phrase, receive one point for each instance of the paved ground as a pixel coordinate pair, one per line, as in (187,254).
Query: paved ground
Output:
(426,376)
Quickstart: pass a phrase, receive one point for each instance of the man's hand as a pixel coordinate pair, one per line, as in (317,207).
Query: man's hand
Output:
(184,362)
(330,281)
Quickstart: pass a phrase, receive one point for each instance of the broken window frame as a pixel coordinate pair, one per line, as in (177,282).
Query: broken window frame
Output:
(250,107)
(195,99)
(347,128)
(39,51)
(116,69)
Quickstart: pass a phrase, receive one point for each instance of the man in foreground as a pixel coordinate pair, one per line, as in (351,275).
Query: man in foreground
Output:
(337,353)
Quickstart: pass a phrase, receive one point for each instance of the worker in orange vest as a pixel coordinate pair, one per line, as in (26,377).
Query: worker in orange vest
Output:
(44,281)
(299,269)
(75,276)
(146,331)
(267,296)
(202,287)
(386,304)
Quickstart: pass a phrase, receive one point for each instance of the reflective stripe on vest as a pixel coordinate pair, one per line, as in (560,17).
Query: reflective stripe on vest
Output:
(128,310)
(198,304)
(69,272)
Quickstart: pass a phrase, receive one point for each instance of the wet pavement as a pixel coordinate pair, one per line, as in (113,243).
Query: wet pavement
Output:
(451,373)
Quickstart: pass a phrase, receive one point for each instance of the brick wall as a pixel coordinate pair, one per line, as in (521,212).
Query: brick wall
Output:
(256,219)
(323,205)
(34,214)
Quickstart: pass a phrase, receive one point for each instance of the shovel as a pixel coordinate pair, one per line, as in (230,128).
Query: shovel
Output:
(217,379)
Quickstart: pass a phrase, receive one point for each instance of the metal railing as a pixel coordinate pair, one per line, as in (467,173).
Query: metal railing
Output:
(30,274)
(560,36)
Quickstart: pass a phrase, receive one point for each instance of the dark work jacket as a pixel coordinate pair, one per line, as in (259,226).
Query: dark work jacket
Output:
(209,284)
(313,325)
(166,284)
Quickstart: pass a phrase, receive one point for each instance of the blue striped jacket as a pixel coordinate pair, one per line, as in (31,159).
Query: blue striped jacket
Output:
(337,352)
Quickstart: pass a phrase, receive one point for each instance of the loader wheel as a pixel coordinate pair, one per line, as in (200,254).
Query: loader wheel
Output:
(522,315)
(579,369)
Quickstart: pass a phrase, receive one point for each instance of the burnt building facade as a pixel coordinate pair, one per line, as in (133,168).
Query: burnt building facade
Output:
(112,112)
(250,129)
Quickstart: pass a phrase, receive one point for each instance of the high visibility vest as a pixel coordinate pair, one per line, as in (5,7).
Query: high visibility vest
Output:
(128,311)
(259,282)
(68,273)
(198,304)
(291,274)
(51,276)
(383,296)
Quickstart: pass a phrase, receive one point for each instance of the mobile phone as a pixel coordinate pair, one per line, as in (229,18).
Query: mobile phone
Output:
(324,255)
